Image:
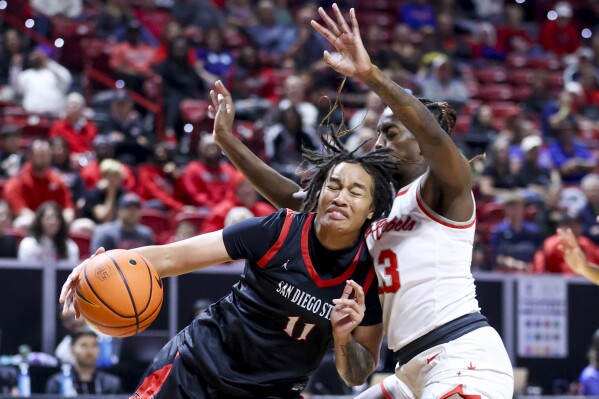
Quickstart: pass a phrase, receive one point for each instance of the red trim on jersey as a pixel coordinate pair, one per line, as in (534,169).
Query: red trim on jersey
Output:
(444,223)
(151,384)
(399,194)
(385,392)
(368,279)
(320,283)
(460,392)
(277,245)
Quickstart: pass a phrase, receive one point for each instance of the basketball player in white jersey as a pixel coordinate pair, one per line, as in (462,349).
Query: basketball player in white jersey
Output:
(444,347)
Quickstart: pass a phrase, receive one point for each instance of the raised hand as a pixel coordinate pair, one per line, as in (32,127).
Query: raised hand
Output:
(67,294)
(352,58)
(573,255)
(348,312)
(223,112)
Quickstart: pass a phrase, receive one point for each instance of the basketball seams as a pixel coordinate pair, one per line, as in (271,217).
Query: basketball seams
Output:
(128,290)
(100,298)
(151,284)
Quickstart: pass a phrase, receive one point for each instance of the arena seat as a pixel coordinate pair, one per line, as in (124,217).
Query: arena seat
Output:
(197,218)
(521,76)
(157,220)
(503,109)
(495,92)
(83,241)
(194,111)
(491,74)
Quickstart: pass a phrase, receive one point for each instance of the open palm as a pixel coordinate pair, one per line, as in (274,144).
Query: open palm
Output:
(351,59)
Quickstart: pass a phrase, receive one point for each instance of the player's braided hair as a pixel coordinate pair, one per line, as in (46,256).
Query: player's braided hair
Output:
(443,112)
(378,164)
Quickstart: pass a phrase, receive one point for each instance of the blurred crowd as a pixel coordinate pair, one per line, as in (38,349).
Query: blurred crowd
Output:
(106,140)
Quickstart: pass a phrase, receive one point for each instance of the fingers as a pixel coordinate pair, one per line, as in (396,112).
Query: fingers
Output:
(358,291)
(327,34)
(347,290)
(341,20)
(99,251)
(334,29)
(354,23)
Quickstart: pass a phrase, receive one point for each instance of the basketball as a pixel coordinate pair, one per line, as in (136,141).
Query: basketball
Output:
(119,293)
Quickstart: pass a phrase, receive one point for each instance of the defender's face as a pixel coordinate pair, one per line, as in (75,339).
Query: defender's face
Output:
(391,133)
(346,200)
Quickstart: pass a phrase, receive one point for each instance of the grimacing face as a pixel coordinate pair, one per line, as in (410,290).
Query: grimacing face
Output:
(346,198)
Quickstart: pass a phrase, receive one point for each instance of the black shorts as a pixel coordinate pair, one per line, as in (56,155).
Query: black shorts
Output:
(169,377)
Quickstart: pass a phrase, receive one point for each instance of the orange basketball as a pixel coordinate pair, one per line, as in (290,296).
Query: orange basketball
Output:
(119,293)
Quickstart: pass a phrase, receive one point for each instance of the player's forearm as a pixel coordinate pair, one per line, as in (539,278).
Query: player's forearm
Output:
(276,188)
(354,362)
(591,271)
(407,108)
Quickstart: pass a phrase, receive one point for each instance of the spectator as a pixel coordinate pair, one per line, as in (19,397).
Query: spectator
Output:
(514,241)
(161,182)
(417,14)
(487,9)
(208,180)
(442,85)
(13,60)
(8,381)
(131,60)
(237,214)
(127,132)
(284,142)
(8,242)
(271,38)
(72,326)
(378,50)
(550,259)
(101,201)
(244,196)
(48,239)
(482,132)
(240,14)
(44,10)
(407,54)
(512,37)
(532,175)
(451,37)
(560,36)
(566,107)
(200,13)
(44,85)
(309,45)
(367,117)
(539,97)
(114,20)
(11,155)
(250,78)
(498,176)
(588,214)
(171,31)
(213,59)
(35,184)
(294,95)
(103,148)
(551,211)
(180,81)
(583,63)
(77,130)
(588,383)
(61,162)
(484,44)
(572,158)
(126,232)
(87,379)
(184,230)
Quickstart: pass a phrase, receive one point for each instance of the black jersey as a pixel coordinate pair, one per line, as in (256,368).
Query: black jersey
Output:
(266,337)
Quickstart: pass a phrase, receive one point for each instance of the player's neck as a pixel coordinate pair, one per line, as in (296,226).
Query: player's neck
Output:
(333,239)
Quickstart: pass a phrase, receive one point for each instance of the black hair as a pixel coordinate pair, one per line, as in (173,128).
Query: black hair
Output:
(379,164)
(60,239)
(442,111)
(79,334)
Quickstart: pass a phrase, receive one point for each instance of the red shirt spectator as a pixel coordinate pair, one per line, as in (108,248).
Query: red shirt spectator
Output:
(156,184)
(33,186)
(79,137)
(512,36)
(245,196)
(208,180)
(551,260)
(560,36)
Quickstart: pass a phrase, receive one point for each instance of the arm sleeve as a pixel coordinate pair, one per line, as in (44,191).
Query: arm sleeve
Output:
(251,238)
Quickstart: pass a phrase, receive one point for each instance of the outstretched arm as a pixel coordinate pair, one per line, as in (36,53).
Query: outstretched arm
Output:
(575,257)
(277,189)
(449,170)
(169,260)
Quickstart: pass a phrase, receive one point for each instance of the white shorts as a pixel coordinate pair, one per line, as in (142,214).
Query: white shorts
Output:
(476,366)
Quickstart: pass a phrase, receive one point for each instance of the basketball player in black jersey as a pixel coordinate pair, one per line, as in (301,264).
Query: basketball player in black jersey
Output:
(294,300)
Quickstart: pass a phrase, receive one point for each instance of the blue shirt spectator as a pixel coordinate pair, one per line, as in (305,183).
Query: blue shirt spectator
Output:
(570,157)
(588,383)
(417,15)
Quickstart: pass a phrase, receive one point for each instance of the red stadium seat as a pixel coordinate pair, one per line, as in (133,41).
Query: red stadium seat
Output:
(504,109)
(197,218)
(495,92)
(462,124)
(556,80)
(521,76)
(493,74)
(157,220)
(491,213)
(521,93)
(83,241)
(194,111)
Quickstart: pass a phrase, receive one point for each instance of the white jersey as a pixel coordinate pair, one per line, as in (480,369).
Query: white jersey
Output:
(422,262)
